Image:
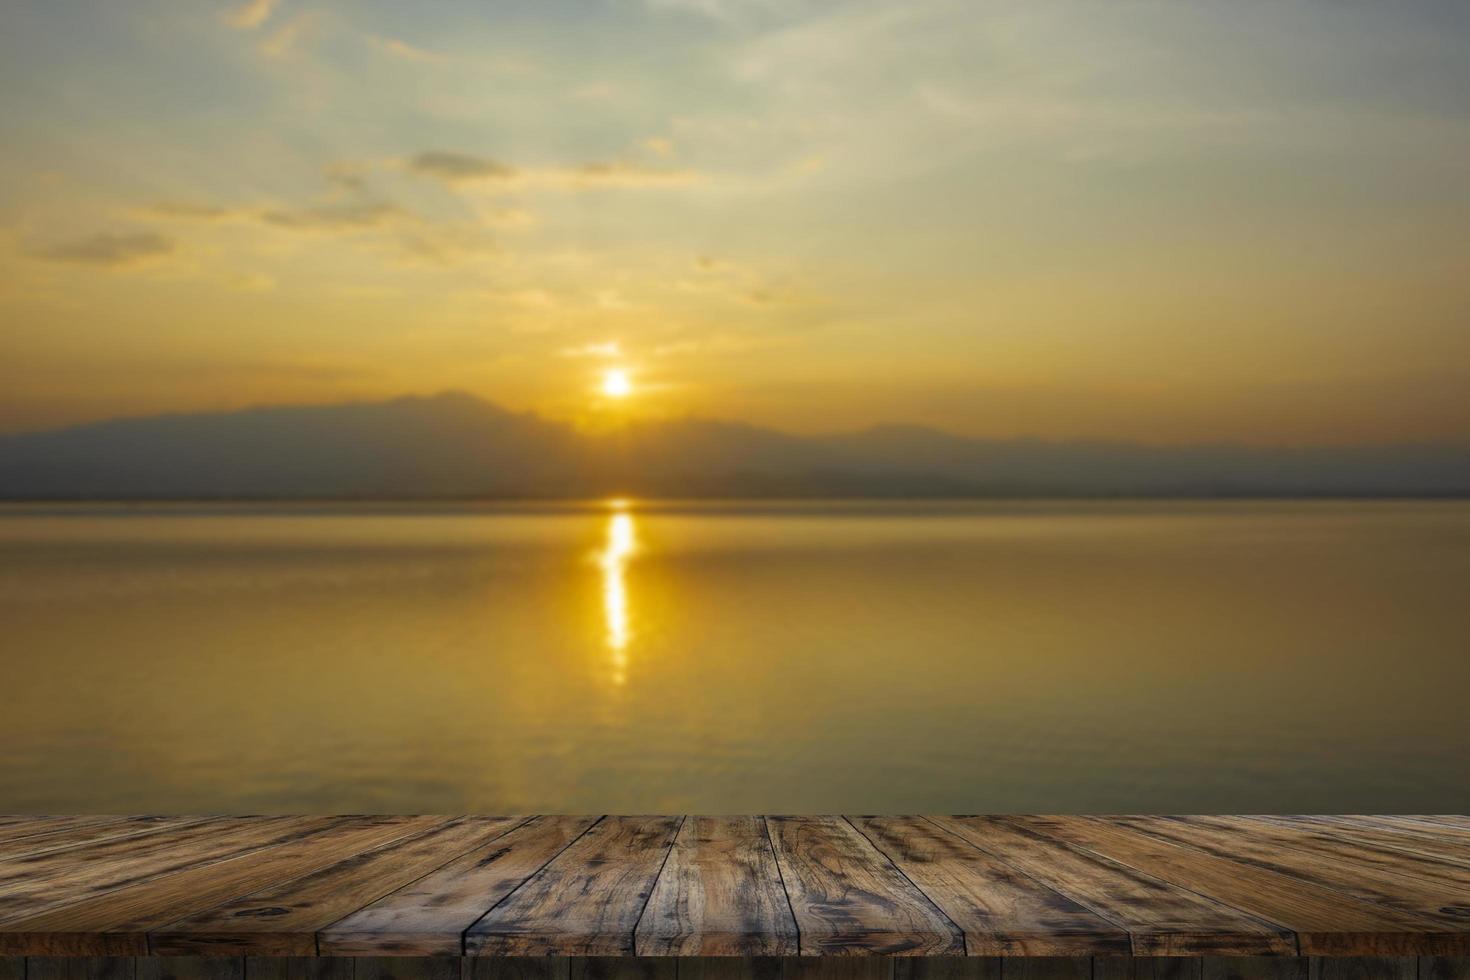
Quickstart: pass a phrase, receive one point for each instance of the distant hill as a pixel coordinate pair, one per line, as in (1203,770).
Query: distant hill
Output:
(457,445)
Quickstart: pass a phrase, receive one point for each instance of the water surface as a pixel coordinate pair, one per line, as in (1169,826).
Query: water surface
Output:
(736,657)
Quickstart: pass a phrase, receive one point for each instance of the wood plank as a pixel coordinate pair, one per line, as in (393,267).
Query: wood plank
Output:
(1162,919)
(80,968)
(624,968)
(587,901)
(1381,834)
(298,968)
(1364,968)
(1327,922)
(117,922)
(947,968)
(407,968)
(37,882)
(838,967)
(190,968)
(19,826)
(1001,911)
(1356,869)
(283,920)
(850,899)
(88,833)
(733,968)
(1046,968)
(1255,968)
(12,968)
(519,968)
(430,916)
(719,894)
(1444,968)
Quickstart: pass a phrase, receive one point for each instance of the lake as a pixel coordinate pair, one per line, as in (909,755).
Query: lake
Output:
(843,657)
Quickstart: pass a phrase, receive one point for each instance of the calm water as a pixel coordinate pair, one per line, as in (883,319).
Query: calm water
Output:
(789,658)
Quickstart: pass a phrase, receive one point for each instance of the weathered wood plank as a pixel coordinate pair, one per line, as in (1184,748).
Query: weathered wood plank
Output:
(430,916)
(1444,968)
(587,901)
(1255,968)
(1364,968)
(1001,911)
(848,898)
(117,922)
(88,832)
(1326,921)
(80,968)
(1046,968)
(19,826)
(519,968)
(407,968)
(37,882)
(12,968)
(731,967)
(948,968)
(190,968)
(838,967)
(298,968)
(624,968)
(1437,840)
(719,894)
(1162,919)
(1359,870)
(283,920)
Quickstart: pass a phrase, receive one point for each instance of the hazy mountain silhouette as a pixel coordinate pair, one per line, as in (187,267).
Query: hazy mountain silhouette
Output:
(457,445)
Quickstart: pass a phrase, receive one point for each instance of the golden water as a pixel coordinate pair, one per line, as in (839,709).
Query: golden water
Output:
(736,657)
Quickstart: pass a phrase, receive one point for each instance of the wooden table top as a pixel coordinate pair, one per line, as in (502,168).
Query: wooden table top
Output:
(735,886)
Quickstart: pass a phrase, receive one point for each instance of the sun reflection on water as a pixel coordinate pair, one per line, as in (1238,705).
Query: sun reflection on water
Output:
(616,552)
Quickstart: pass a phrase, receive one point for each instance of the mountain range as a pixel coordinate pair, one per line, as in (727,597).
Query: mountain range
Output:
(456,445)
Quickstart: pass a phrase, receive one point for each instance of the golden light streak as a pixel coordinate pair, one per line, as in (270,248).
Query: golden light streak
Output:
(619,548)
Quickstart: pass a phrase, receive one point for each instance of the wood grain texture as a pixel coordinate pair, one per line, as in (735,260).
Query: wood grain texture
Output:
(720,894)
(854,898)
(1326,922)
(588,900)
(117,922)
(33,883)
(1395,879)
(1001,911)
(430,916)
(849,899)
(283,920)
(1163,919)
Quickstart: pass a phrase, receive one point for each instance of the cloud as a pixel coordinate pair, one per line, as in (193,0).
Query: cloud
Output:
(618,174)
(332,217)
(283,41)
(251,14)
(109,250)
(454,167)
(190,211)
(403,51)
(457,168)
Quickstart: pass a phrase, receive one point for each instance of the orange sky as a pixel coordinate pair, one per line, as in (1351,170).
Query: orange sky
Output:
(1154,221)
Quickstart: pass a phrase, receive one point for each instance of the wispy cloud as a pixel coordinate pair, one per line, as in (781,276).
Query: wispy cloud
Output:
(403,51)
(343,216)
(454,167)
(251,14)
(110,250)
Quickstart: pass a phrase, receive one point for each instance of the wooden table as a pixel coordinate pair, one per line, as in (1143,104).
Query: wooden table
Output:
(721,898)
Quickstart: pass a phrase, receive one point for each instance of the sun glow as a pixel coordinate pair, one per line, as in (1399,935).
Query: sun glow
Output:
(616,383)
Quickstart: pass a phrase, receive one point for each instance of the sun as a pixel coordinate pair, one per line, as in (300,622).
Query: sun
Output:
(616,383)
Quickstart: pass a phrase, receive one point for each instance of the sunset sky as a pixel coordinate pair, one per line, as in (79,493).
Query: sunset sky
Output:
(1162,221)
